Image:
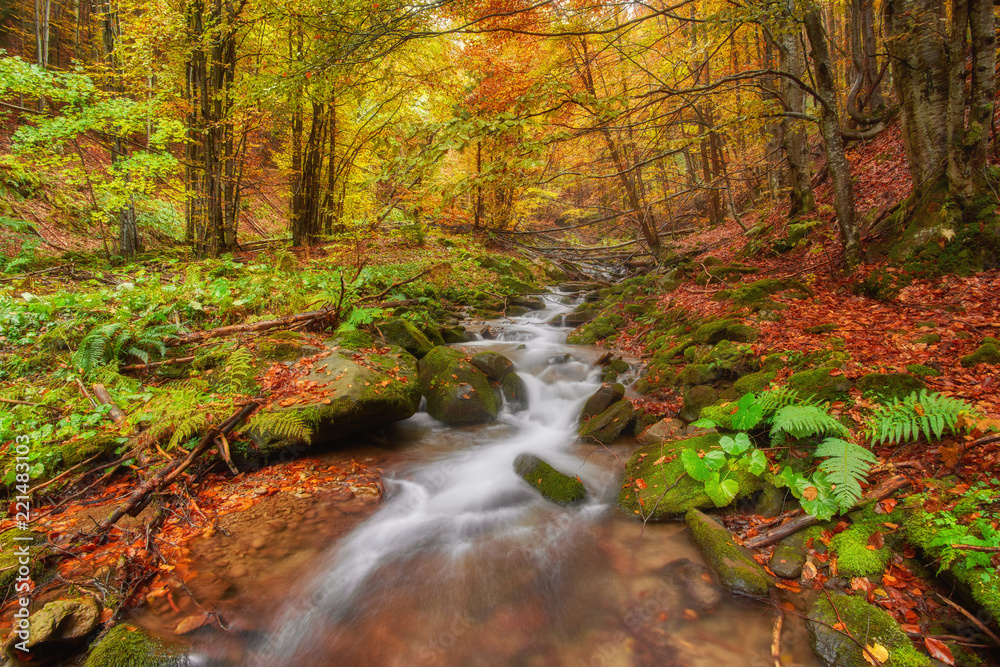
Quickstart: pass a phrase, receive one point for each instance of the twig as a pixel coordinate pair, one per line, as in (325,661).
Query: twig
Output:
(86,394)
(779,619)
(65,472)
(11,401)
(394,286)
(157,364)
(105,398)
(976,547)
(979,624)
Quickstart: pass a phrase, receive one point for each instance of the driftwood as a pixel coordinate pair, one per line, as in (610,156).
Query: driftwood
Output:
(168,473)
(880,492)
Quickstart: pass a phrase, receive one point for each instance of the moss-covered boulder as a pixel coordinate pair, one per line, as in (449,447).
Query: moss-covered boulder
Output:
(515,391)
(10,563)
(349,391)
(656,468)
(787,561)
(733,564)
(719,330)
(889,386)
(866,623)
(695,374)
(662,431)
(58,627)
(595,330)
(826,327)
(922,370)
(987,353)
(77,451)
(285,346)
(406,335)
(819,384)
(601,400)
(127,646)
(549,482)
(754,382)
(457,392)
(452,335)
(527,302)
(493,364)
(695,399)
(610,424)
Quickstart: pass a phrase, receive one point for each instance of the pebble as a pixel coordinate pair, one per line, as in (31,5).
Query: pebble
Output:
(238,571)
(258,542)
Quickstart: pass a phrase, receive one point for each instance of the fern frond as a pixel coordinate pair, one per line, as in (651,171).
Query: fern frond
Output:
(921,413)
(280,425)
(237,372)
(777,398)
(803,421)
(847,466)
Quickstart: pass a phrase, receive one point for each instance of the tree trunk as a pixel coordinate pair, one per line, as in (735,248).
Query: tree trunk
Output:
(833,142)
(793,133)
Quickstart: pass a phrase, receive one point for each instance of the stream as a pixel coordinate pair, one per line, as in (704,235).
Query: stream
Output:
(462,564)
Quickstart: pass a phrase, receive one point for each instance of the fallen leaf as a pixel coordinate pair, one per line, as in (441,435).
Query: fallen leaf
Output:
(810,493)
(875,652)
(692,615)
(641,483)
(875,542)
(809,571)
(939,650)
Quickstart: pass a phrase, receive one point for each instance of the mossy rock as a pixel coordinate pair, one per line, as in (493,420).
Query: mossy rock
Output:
(927,339)
(601,400)
(527,302)
(458,393)
(595,330)
(987,353)
(659,467)
(521,271)
(78,451)
(126,646)
(721,413)
(61,625)
(284,346)
(433,333)
(920,369)
(797,231)
(719,330)
(820,385)
(760,290)
(821,328)
(695,399)
(697,374)
(549,482)
(854,558)
(9,557)
(452,335)
(608,425)
(515,391)
(512,285)
(754,382)
(734,566)
(866,623)
(889,386)
(718,274)
(615,368)
(787,561)
(406,335)
(493,364)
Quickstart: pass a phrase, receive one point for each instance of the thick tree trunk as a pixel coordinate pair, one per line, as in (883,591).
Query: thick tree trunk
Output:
(833,142)
(793,133)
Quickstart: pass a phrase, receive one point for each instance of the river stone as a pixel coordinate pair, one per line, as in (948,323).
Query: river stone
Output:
(787,561)
(611,423)
(457,392)
(662,431)
(735,567)
(515,391)
(549,482)
(495,365)
(62,622)
(659,467)
(347,395)
(601,400)
(529,302)
(451,335)
(398,331)
(695,399)
(865,622)
(696,581)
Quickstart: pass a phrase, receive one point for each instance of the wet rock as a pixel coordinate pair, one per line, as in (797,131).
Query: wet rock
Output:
(527,302)
(559,359)
(457,392)
(662,431)
(601,400)
(736,569)
(404,334)
(515,391)
(126,646)
(771,501)
(57,627)
(549,482)
(493,364)
(787,561)
(608,425)
(349,395)
(695,399)
(666,492)
(696,580)
(865,622)
(452,335)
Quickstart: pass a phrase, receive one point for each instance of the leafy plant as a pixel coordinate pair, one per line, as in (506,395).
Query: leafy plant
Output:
(115,341)
(280,425)
(848,464)
(922,412)
(178,412)
(803,421)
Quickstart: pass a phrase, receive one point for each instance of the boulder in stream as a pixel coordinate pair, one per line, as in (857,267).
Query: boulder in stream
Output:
(601,400)
(549,482)
(127,646)
(493,364)
(662,431)
(701,590)
(406,335)
(346,391)
(457,391)
(608,425)
(57,628)
(515,391)
(733,564)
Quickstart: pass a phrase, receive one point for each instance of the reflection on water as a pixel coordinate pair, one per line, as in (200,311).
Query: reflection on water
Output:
(463,564)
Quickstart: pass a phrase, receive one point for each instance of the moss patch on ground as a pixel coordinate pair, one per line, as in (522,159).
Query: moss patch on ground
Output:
(889,386)
(820,385)
(126,646)
(987,353)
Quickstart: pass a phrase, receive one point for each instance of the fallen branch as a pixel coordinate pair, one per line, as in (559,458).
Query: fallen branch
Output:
(157,364)
(198,336)
(64,473)
(394,286)
(880,492)
(173,469)
(979,624)
(976,547)
(101,392)
(12,401)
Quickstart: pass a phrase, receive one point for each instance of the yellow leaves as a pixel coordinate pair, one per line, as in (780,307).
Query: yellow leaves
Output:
(810,493)
(875,652)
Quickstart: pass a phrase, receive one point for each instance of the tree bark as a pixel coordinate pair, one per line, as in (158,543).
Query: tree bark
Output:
(793,133)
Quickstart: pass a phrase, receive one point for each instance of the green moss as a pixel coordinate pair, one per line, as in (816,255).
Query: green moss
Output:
(920,369)
(987,353)
(733,564)
(9,563)
(721,413)
(549,482)
(889,386)
(127,646)
(820,385)
(696,374)
(595,330)
(821,328)
(927,339)
(403,333)
(719,330)
(611,423)
(867,623)
(854,558)
(77,451)
(457,392)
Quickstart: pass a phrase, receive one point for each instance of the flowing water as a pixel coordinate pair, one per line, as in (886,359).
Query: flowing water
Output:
(463,564)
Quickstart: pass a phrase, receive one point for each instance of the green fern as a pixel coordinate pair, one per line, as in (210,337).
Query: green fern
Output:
(114,341)
(923,412)
(180,413)
(280,425)
(847,466)
(773,400)
(237,373)
(804,421)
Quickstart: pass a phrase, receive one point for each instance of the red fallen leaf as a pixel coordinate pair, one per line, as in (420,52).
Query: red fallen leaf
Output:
(835,372)
(641,483)
(939,650)
(875,542)
(841,527)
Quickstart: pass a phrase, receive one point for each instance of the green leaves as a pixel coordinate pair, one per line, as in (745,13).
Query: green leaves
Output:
(847,466)
(721,491)
(923,412)
(735,446)
(749,413)
(702,469)
(803,421)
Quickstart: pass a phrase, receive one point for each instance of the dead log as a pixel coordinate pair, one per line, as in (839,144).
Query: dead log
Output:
(288,320)
(101,392)
(880,492)
(156,364)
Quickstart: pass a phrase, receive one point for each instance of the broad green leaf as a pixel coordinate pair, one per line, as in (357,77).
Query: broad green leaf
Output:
(722,492)
(758,462)
(695,466)
(749,413)
(715,459)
